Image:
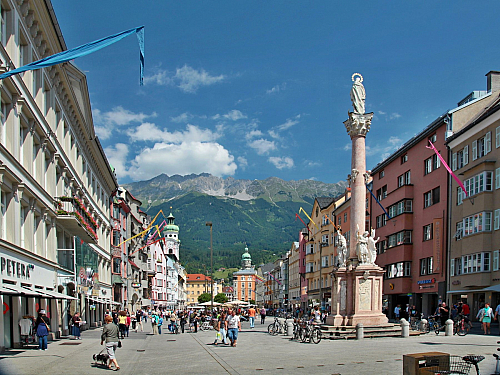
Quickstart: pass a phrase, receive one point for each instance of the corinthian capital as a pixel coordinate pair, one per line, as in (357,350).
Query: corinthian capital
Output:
(357,124)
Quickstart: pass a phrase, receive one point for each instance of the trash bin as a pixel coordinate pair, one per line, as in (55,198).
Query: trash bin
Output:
(413,364)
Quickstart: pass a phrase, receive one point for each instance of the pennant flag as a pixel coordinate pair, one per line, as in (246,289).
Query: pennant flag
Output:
(274,278)
(297,216)
(330,220)
(380,204)
(84,50)
(305,213)
(448,168)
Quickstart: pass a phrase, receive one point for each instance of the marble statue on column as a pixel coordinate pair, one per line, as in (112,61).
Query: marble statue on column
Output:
(371,246)
(342,250)
(358,94)
(362,247)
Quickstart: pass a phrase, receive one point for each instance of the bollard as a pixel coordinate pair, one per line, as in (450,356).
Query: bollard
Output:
(359,331)
(289,328)
(423,325)
(405,328)
(448,330)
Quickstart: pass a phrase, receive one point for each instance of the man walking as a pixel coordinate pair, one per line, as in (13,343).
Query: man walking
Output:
(251,316)
(262,315)
(233,325)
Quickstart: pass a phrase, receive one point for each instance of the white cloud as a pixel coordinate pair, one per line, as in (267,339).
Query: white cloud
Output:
(262,146)
(276,89)
(289,123)
(310,163)
(150,132)
(395,115)
(381,113)
(243,162)
(105,122)
(117,157)
(233,115)
(185,78)
(281,163)
(384,150)
(347,147)
(253,133)
(184,158)
(394,141)
(274,134)
(183,117)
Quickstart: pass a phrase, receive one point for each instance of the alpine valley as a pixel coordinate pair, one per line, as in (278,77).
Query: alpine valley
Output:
(257,213)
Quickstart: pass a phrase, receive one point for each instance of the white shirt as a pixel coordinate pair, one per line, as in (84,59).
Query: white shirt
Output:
(232,321)
(25,325)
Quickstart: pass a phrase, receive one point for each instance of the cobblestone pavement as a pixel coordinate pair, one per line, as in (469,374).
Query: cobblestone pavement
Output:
(257,353)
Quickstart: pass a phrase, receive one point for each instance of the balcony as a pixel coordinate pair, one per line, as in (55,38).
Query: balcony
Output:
(65,258)
(73,216)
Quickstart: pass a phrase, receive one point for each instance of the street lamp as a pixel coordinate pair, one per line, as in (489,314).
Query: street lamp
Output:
(209,224)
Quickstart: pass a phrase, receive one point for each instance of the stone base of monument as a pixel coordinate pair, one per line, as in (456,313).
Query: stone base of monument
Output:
(349,332)
(357,296)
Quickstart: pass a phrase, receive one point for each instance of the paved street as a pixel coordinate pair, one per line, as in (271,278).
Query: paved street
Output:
(256,353)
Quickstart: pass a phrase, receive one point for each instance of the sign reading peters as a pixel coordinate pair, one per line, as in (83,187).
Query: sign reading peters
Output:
(16,269)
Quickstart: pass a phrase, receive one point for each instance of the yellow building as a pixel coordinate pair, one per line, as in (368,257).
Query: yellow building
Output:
(197,284)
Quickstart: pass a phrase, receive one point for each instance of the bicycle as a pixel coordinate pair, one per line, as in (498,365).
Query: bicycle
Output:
(276,327)
(460,326)
(206,326)
(452,364)
(310,333)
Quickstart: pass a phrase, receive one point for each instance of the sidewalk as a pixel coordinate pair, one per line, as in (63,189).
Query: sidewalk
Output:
(257,353)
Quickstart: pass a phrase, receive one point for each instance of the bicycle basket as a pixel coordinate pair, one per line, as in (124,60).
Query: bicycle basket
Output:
(446,365)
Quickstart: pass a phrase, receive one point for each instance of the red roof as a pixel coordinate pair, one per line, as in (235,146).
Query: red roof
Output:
(197,277)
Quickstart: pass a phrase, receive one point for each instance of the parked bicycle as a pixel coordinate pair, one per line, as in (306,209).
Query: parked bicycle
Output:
(310,333)
(276,327)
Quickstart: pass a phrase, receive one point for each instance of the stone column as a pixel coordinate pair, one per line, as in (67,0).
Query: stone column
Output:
(2,339)
(54,318)
(16,316)
(357,127)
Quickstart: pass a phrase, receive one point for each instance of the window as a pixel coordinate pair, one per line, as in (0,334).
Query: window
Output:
(431,197)
(310,267)
(428,232)
(3,26)
(404,158)
(431,164)
(460,197)
(481,147)
(116,238)
(381,246)
(472,263)
(339,220)
(497,137)
(381,174)
(324,261)
(480,222)
(496,221)
(460,231)
(117,264)
(382,193)
(433,138)
(381,220)
(400,238)
(309,248)
(426,266)
(404,179)
(496,255)
(400,269)
(324,239)
(497,178)
(479,183)
(406,205)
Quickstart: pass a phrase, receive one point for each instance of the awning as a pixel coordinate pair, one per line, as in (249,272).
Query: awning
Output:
(116,280)
(54,294)
(493,288)
(21,290)
(465,291)
(6,291)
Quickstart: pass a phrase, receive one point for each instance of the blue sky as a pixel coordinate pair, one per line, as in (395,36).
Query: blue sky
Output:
(253,89)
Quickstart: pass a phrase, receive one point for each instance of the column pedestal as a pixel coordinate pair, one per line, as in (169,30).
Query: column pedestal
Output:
(357,296)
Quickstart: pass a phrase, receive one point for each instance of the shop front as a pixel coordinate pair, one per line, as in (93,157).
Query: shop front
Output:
(28,284)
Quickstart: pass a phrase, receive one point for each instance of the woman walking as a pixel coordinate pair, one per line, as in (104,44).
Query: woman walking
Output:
(76,326)
(110,336)
(122,323)
(42,328)
(485,315)
(221,329)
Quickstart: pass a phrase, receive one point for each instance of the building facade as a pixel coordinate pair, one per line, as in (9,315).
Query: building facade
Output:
(244,280)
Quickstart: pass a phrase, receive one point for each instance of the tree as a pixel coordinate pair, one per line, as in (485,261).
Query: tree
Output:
(204,297)
(221,298)
(252,302)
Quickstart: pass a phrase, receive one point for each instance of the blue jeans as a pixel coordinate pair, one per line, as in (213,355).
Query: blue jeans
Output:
(252,321)
(233,334)
(223,334)
(42,342)
(159,329)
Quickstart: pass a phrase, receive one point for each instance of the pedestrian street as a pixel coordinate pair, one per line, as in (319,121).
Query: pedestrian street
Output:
(257,353)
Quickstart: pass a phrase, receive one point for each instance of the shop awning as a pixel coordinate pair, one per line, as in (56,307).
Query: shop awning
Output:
(493,288)
(55,294)
(466,291)
(21,290)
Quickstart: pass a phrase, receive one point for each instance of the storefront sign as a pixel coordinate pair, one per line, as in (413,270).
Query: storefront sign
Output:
(427,281)
(136,285)
(17,269)
(437,229)
(456,282)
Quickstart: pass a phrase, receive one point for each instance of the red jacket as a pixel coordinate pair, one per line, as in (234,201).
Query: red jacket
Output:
(128,320)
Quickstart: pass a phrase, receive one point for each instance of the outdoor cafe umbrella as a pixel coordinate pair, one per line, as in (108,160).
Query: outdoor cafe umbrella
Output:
(237,302)
(209,303)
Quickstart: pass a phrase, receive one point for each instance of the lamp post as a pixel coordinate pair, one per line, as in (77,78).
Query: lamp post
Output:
(209,224)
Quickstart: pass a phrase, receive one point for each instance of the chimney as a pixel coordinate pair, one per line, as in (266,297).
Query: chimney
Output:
(493,80)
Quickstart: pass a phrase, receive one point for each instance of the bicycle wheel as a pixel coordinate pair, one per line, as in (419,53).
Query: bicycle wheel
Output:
(316,336)
(270,329)
(461,330)
(304,335)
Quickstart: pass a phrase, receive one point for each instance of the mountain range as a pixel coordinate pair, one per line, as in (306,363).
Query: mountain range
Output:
(259,214)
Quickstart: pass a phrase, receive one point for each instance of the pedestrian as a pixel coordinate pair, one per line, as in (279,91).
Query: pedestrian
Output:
(138,318)
(262,315)
(194,320)
(160,323)
(110,336)
(122,323)
(397,310)
(496,317)
(233,325)
(154,323)
(114,314)
(133,320)
(129,320)
(317,315)
(76,326)
(221,329)
(182,320)
(444,312)
(485,315)
(42,329)
(173,322)
(251,316)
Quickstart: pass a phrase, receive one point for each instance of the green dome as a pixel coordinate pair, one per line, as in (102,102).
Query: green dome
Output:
(246,255)
(172,227)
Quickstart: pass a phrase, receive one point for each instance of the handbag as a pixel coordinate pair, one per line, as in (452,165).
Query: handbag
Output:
(119,343)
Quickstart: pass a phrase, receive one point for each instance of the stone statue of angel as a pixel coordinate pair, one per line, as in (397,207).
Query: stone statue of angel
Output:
(358,94)
(362,247)
(371,246)
(342,250)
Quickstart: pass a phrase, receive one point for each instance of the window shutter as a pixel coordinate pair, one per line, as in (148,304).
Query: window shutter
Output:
(496,222)
(452,267)
(454,161)
(497,137)
(474,150)
(487,143)
(466,155)
(497,178)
